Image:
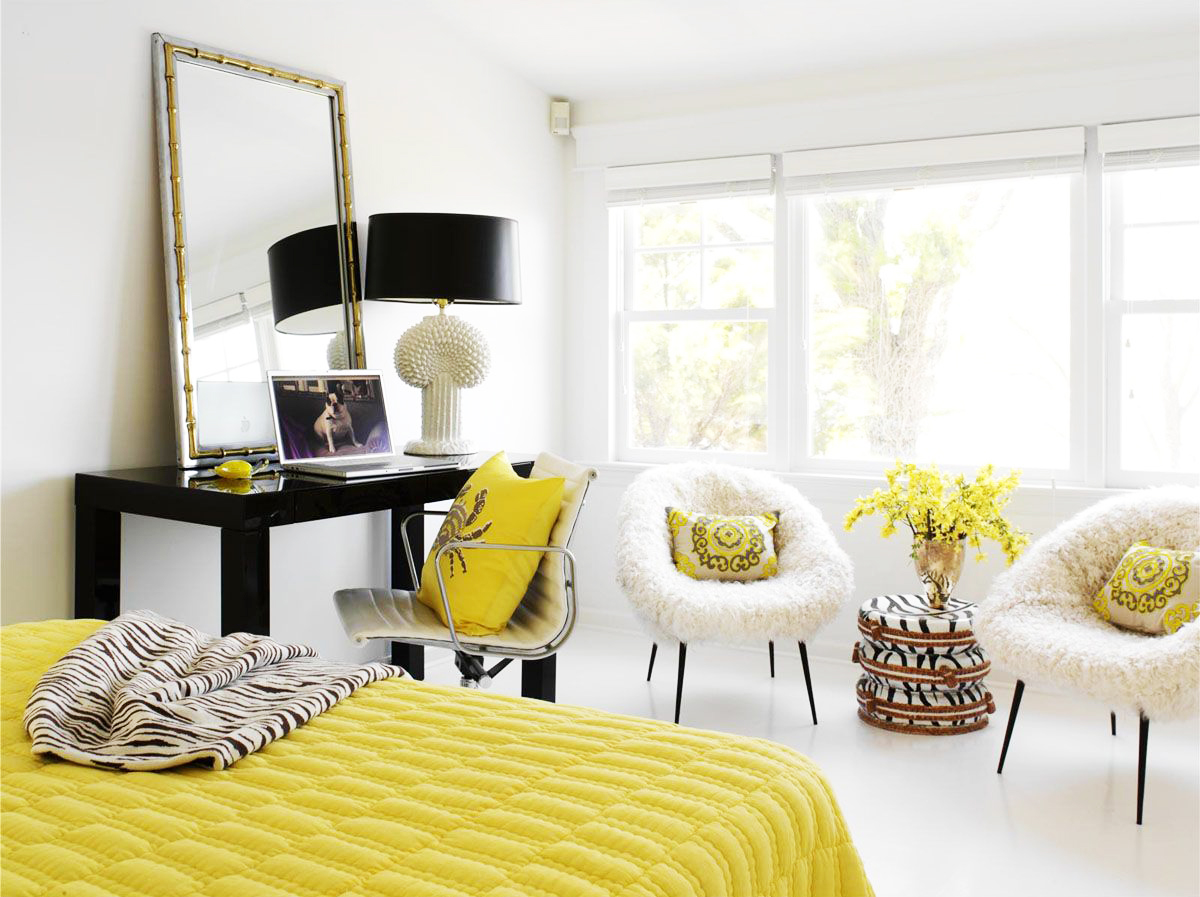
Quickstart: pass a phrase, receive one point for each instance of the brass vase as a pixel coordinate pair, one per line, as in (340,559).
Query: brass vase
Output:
(939,564)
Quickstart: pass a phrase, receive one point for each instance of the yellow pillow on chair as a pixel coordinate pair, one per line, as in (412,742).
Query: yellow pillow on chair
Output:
(484,586)
(1153,590)
(729,548)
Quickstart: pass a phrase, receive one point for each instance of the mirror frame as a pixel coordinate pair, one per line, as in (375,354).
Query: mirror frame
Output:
(166,52)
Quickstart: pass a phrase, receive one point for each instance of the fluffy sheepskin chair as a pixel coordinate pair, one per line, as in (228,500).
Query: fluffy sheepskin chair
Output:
(814,578)
(1039,623)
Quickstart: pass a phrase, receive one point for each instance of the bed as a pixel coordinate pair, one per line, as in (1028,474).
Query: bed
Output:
(406,790)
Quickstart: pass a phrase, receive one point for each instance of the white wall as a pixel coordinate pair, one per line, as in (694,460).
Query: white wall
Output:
(656,128)
(433,127)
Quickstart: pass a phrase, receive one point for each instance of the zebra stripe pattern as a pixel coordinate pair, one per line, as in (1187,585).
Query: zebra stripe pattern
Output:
(909,621)
(923,670)
(923,708)
(145,692)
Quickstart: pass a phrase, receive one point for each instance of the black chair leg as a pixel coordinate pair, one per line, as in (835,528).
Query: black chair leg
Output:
(1112,721)
(1143,737)
(679,682)
(812,705)
(653,654)
(470,668)
(1012,719)
(771,652)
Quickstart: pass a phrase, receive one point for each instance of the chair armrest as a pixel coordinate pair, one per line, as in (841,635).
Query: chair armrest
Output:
(412,566)
(493,546)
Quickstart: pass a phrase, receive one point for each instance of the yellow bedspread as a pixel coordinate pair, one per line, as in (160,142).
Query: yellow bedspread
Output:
(405,790)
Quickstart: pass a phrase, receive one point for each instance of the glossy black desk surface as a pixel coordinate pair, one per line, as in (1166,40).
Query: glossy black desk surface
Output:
(245,514)
(273,498)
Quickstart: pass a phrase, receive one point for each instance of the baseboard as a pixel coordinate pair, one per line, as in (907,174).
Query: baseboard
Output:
(432,660)
(824,650)
(611,621)
(827,651)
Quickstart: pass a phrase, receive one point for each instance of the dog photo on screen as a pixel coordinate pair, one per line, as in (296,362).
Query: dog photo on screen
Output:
(321,417)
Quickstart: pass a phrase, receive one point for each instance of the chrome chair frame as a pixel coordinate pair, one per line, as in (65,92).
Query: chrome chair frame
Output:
(545,616)
(549,648)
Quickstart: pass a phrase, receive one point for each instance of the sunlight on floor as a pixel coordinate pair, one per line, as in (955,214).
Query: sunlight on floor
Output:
(929,815)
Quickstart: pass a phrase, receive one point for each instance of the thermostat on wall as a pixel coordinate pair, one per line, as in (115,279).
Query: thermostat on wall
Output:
(560,118)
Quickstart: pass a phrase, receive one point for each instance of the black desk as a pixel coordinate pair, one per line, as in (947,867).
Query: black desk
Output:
(245,520)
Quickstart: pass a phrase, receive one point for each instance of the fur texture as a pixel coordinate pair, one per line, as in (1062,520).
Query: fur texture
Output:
(1038,620)
(814,578)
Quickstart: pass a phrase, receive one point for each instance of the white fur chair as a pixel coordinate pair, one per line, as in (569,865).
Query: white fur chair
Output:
(1038,621)
(813,581)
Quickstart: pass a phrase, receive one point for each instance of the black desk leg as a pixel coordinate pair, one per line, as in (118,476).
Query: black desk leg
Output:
(246,581)
(537,678)
(97,563)
(411,658)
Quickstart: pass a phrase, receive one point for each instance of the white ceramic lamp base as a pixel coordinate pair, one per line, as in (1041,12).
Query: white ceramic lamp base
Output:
(337,353)
(441,355)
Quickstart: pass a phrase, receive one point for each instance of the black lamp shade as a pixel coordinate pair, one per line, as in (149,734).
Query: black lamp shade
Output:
(306,280)
(422,256)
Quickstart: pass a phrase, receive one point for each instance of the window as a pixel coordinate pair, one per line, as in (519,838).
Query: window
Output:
(925,331)
(226,343)
(1153,231)
(696,303)
(937,301)
(235,339)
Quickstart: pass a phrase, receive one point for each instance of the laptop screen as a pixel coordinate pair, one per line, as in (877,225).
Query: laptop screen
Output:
(331,414)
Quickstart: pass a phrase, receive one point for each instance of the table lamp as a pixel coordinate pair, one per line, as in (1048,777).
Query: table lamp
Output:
(442,258)
(306,287)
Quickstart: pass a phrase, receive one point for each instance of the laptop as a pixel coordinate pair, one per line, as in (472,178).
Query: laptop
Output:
(235,414)
(335,424)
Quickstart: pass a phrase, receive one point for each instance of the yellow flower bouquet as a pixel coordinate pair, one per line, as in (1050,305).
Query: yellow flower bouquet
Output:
(944,512)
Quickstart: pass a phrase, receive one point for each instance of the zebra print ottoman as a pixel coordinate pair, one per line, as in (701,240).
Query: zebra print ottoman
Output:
(923,671)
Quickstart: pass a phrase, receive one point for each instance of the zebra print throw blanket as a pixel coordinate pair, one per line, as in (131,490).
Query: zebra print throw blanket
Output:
(145,692)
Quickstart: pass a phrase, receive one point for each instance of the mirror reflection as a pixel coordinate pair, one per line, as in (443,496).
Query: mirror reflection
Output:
(258,166)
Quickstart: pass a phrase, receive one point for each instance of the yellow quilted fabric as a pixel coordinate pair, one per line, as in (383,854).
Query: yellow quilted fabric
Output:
(409,790)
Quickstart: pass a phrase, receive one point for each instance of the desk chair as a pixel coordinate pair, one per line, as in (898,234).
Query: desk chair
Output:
(541,624)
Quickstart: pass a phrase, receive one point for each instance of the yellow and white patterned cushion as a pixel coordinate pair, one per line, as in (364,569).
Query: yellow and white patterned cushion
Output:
(725,547)
(1152,590)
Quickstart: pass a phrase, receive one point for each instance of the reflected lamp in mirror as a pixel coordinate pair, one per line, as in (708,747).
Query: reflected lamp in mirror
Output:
(307,285)
(442,258)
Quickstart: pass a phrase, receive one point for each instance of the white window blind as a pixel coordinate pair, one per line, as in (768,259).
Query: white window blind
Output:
(1166,133)
(228,311)
(697,179)
(916,162)
(1164,143)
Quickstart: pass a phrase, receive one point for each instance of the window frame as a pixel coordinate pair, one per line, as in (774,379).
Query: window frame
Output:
(1116,308)
(623,240)
(1094,334)
(801,458)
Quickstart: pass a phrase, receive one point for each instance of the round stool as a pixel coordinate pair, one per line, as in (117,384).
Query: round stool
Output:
(923,671)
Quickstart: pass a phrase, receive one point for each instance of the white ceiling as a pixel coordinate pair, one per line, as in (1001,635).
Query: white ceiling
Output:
(599,49)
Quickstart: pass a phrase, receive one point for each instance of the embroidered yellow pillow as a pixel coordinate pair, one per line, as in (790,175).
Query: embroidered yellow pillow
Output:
(484,586)
(1152,590)
(728,548)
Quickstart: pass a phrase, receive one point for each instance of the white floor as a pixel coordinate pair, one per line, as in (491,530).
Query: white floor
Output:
(929,815)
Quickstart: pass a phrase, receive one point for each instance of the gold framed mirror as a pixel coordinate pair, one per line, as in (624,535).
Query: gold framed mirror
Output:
(250,154)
